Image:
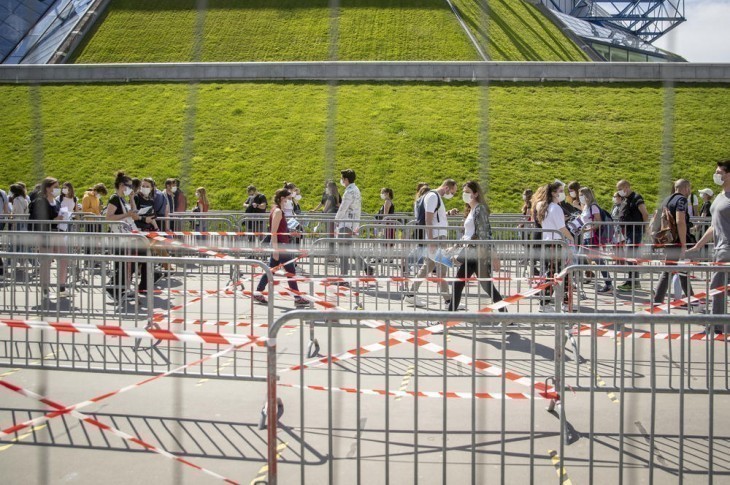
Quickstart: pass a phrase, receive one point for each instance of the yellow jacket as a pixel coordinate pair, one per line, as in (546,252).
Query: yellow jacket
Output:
(90,203)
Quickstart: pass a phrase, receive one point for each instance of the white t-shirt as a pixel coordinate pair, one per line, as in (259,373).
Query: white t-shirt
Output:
(430,201)
(554,221)
(469,226)
(588,215)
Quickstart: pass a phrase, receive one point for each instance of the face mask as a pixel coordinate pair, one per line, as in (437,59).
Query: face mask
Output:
(298,197)
(382,196)
(56,192)
(342,182)
(448,195)
(145,190)
(174,189)
(622,193)
(288,205)
(98,196)
(582,200)
(466,197)
(524,197)
(717,178)
(561,196)
(572,194)
(64,191)
(127,190)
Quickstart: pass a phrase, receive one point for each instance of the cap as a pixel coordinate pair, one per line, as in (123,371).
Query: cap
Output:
(707,192)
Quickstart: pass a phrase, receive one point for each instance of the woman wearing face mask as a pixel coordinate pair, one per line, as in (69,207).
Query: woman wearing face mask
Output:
(592,213)
(479,260)
(45,207)
(548,213)
(574,195)
(296,196)
(119,210)
(68,204)
(386,195)
(280,239)
(143,199)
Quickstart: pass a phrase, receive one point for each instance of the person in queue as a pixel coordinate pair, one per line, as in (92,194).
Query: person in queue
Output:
(280,239)
(574,195)
(706,195)
(431,213)
(678,205)
(387,208)
(635,214)
(719,232)
(549,214)
(479,260)
(347,219)
(45,207)
(120,209)
(143,199)
(255,203)
(181,201)
(591,213)
(68,204)
(91,201)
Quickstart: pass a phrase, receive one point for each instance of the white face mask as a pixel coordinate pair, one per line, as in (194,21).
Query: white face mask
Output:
(145,190)
(448,195)
(342,182)
(64,191)
(572,194)
(622,193)
(127,190)
(382,196)
(524,197)
(582,200)
(56,192)
(174,189)
(561,196)
(466,197)
(98,195)
(298,197)
(288,205)
(717,178)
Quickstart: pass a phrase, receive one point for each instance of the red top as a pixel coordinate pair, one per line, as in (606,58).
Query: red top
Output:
(282,232)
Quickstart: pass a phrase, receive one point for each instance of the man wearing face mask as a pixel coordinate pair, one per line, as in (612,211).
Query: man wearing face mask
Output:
(633,212)
(719,231)
(348,217)
(432,212)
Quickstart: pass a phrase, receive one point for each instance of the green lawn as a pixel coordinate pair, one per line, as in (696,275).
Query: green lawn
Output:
(277,30)
(391,134)
(517,31)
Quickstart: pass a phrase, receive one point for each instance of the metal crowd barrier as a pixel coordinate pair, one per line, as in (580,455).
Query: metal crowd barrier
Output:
(171,303)
(419,404)
(193,222)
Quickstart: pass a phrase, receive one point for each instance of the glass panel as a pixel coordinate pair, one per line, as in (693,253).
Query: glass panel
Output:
(637,57)
(602,49)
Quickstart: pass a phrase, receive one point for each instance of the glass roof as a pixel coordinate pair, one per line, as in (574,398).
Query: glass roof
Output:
(605,34)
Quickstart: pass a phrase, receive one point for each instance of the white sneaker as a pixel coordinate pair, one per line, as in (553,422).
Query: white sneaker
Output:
(435,332)
(547,309)
(415,301)
(462,305)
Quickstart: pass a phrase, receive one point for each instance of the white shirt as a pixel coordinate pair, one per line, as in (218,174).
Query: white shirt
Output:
(430,201)
(588,215)
(469,226)
(554,221)
(350,209)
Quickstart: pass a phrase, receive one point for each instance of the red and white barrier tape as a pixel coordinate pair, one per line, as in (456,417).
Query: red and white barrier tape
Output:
(137,333)
(103,397)
(428,394)
(231,233)
(121,434)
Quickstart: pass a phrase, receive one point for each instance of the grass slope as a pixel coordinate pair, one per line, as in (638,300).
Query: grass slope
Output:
(277,30)
(517,31)
(391,134)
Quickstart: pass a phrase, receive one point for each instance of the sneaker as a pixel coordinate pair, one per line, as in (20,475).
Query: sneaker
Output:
(462,305)
(64,292)
(626,287)
(260,299)
(300,303)
(605,289)
(547,309)
(435,332)
(565,308)
(415,301)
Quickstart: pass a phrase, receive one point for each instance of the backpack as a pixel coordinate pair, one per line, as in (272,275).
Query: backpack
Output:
(421,213)
(663,225)
(607,233)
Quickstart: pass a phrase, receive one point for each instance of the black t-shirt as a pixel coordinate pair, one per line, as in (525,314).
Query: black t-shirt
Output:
(119,205)
(630,211)
(257,199)
(142,202)
(42,210)
(679,203)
